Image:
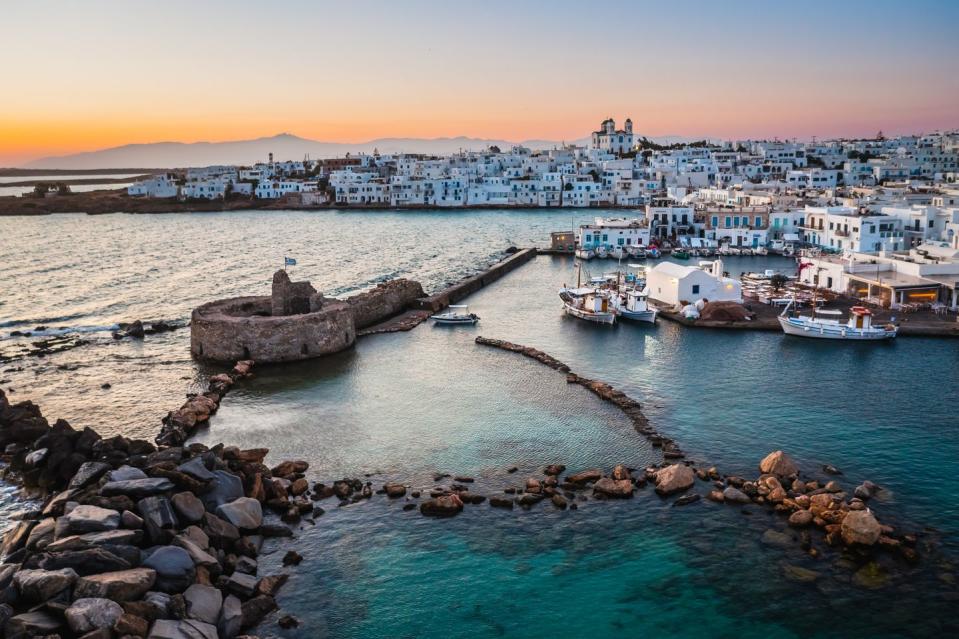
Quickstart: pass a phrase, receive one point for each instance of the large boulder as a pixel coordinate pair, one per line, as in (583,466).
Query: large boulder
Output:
(609,487)
(89,614)
(674,478)
(158,518)
(41,585)
(184,629)
(122,585)
(245,513)
(88,473)
(778,463)
(137,488)
(860,527)
(196,469)
(126,473)
(88,561)
(231,617)
(91,540)
(188,507)
(224,488)
(733,495)
(203,603)
(443,506)
(174,567)
(85,519)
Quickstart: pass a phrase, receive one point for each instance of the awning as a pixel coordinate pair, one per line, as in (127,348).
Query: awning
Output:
(893,280)
(791,237)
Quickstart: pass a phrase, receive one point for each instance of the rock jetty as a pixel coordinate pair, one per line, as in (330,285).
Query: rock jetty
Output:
(135,539)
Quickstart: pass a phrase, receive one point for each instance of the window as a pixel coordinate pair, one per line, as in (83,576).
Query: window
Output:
(759,221)
(715,221)
(728,221)
(619,241)
(695,289)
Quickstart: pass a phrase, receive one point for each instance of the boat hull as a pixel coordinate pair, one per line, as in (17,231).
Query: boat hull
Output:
(639,316)
(792,326)
(599,318)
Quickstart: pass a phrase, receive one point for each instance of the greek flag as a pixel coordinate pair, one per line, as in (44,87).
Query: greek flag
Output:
(289,261)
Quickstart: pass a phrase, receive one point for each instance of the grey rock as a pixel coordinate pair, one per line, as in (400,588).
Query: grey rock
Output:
(246,565)
(231,617)
(137,487)
(188,507)
(85,519)
(245,513)
(36,457)
(203,603)
(88,473)
(123,585)
(158,518)
(196,469)
(184,629)
(89,540)
(41,585)
(131,520)
(88,614)
(126,473)
(86,562)
(199,556)
(174,568)
(224,488)
(241,584)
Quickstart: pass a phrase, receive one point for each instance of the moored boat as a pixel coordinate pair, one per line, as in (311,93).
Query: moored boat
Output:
(618,253)
(633,304)
(455,314)
(585,254)
(681,254)
(588,303)
(858,327)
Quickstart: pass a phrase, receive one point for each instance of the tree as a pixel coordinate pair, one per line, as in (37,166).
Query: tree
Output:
(778,281)
(63,188)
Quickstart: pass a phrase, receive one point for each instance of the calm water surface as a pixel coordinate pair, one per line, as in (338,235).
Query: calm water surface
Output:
(404,406)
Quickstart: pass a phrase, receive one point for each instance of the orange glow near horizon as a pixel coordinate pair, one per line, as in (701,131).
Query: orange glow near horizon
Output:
(107,74)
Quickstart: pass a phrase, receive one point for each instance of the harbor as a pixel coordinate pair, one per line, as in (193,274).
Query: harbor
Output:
(404,408)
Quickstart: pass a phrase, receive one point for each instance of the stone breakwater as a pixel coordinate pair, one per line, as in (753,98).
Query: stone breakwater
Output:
(822,514)
(132,540)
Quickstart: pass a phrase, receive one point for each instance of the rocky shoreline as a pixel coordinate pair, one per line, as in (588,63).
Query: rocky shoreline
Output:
(132,539)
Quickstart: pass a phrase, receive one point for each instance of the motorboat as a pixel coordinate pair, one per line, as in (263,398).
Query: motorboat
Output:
(654,252)
(762,250)
(633,304)
(823,324)
(585,254)
(601,252)
(636,252)
(618,253)
(681,254)
(456,314)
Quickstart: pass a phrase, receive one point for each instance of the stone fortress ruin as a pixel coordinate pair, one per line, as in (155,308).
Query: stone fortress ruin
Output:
(295,322)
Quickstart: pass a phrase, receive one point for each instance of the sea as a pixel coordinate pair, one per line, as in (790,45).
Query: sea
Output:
(406,406)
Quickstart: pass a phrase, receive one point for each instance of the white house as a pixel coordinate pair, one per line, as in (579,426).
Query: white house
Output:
(675,284)
(613,141)
(158,186)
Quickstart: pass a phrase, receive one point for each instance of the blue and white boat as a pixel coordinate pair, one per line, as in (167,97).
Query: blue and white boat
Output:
(858,327)
(633,304)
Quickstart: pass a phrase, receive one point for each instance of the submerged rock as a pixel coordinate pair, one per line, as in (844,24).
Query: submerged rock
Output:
(610,487)
(860,527)
(443,506)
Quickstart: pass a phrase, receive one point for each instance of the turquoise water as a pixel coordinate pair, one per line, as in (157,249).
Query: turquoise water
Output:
(404,406)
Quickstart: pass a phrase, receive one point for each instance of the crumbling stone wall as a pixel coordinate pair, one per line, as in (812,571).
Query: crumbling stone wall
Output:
(384,301)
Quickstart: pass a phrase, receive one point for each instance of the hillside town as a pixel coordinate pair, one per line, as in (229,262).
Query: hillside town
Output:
(878,217)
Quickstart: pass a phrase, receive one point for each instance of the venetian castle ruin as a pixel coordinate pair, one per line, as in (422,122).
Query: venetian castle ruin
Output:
(295,322)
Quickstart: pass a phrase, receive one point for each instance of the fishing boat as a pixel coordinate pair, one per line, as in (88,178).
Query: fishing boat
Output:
(636,252)
(456,314)
(858,327)
(654,252)
(585,254)
(601,252)
(589,303)
(681,254)
(762,250)
(633,304)
(618,253)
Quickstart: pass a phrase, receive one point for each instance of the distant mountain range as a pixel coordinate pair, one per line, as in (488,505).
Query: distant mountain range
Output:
(162,155)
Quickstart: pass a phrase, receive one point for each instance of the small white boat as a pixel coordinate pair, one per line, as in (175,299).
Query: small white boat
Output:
(637,252)
(601,252)
(859,326)
(762,250)
(634,305)
(585,254)
(456,314)
(590,304)
(618,253)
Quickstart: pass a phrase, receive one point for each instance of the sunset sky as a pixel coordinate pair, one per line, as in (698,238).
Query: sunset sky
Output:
(87,75)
